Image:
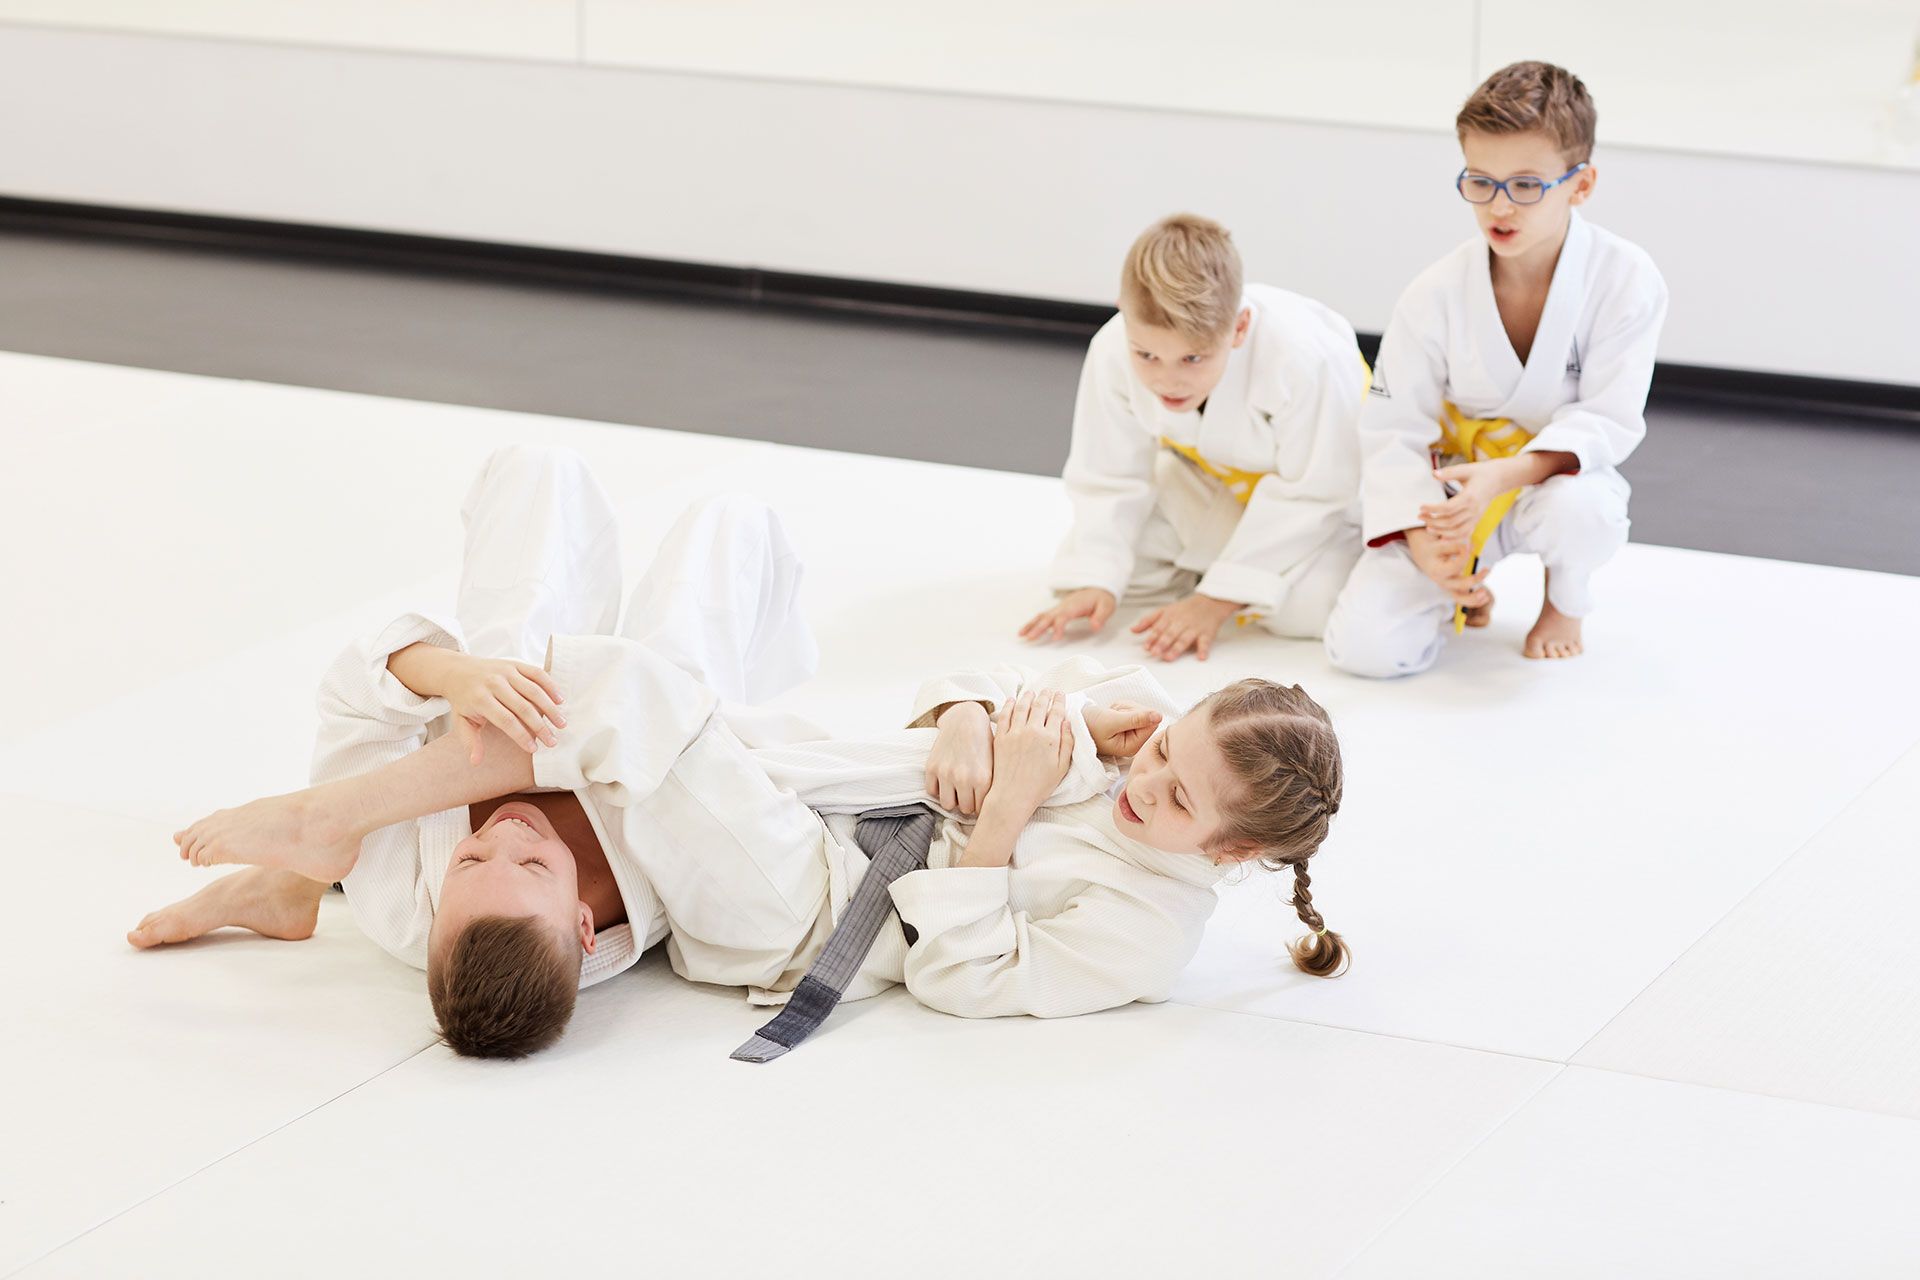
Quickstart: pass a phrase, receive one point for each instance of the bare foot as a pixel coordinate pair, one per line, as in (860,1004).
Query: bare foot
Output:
(1481,615)
(290,832)
(277,904)
(1554,635)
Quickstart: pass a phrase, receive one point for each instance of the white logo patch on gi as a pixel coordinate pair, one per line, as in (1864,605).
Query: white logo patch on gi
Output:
(1378,387)
(1573,358)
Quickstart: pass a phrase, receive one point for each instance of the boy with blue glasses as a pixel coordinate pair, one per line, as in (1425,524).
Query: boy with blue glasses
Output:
(1511,383)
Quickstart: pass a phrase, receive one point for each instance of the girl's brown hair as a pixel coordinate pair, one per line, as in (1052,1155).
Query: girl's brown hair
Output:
(1280,746)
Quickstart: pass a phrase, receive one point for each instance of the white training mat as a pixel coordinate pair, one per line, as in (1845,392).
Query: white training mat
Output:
(1603,1176)
(119,1076)
(637,1140)
(1525,849)
(1811,987)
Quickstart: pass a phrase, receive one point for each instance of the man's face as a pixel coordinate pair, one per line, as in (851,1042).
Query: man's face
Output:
(514,865)
(1182,371)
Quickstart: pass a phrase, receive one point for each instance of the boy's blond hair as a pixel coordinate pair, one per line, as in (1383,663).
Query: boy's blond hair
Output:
(1183,273)
(1533,96)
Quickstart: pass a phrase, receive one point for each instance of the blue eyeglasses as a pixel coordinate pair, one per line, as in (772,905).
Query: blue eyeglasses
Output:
(1477,188)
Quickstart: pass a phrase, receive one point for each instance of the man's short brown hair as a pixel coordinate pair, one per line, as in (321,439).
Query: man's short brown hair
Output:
(505,987)
(1183,273)
(1533,96)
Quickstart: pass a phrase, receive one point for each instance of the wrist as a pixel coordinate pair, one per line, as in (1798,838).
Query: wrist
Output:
(1225,608)
(960,713)
(994,833)
(419,667)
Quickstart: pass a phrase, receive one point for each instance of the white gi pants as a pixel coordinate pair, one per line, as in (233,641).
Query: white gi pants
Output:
(1392,620)
(1194,517)
(750,877)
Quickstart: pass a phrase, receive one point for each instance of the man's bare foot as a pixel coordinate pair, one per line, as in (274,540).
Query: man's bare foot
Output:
(291,832)
(1554,635)
(277,904)
(1481,615)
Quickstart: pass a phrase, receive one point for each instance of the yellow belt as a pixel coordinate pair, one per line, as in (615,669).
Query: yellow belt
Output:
(1240,482)
(1478,440)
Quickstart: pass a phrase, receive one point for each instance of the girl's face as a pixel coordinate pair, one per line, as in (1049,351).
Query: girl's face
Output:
(1173,792)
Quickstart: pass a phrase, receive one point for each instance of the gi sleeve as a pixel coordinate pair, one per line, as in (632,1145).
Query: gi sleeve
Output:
(1109,473)
(369,719)
(1289,519)
(1608,421)
(977,957)
(1401,418)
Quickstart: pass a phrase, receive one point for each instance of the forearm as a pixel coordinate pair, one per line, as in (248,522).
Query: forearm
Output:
(994,835)
(420,667)
(437,777)
(1537,467)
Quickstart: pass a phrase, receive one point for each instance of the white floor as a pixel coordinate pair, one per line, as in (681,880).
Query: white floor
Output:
(1636,989)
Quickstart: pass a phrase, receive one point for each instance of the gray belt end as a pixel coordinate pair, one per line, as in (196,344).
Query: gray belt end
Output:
(758,1049)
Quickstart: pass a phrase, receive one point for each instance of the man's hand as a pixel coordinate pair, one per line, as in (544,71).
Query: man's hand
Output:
(961,767)
(517,698)
(1121,729)
(1189,624)
(1094,604)
(1446,563)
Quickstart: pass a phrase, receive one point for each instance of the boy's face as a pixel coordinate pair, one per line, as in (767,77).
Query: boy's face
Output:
(1181,370)
(1515,229)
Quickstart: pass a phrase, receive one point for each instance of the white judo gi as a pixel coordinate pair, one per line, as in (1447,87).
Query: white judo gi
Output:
(1582,390)
(1149,525)
(711,810)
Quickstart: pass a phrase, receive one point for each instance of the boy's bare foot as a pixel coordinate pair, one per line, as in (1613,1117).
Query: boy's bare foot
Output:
(1554,635)
(291,832)
(277,904)
(1481,615)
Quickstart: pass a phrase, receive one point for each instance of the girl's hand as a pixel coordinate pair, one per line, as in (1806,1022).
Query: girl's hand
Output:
(1121,729)
(517,698)
(1031,752)
(961,767)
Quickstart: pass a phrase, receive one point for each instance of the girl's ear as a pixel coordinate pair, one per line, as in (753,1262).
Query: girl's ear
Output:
(1234,854)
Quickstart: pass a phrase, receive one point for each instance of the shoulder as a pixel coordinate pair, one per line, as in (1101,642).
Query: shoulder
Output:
(1440,284)
(1291,321)
(1622,269)
(1110,340)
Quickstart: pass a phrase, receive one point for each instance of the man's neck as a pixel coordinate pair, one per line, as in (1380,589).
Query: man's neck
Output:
(598,888)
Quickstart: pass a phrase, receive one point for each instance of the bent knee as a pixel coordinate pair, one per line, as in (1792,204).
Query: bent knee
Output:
(1379,647)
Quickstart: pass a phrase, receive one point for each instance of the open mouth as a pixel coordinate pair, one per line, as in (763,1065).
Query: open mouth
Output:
(1175,402)
(1501,235)
(1126,809)
(505,818)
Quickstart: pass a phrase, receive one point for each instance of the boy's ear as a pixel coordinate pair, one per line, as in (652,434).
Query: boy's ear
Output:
(1241,324)
(586,928)
(1583,185)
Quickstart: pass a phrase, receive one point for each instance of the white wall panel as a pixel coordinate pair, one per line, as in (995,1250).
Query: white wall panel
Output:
(540,29)
(1775,266)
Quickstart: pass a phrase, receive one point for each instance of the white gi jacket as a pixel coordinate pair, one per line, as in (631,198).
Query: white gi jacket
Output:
(1286,409)
(1582,390)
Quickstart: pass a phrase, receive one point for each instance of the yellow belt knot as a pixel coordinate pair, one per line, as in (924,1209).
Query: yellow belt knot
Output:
(1480,440)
